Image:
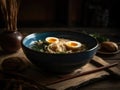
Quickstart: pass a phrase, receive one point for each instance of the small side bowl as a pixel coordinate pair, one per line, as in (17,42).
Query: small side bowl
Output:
(60,63)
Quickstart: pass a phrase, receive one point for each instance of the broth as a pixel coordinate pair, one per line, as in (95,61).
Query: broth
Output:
(58,45)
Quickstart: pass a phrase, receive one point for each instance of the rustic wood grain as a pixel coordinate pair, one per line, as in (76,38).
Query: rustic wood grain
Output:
(45,78)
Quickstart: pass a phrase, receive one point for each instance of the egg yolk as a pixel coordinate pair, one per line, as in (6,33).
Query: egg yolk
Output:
(52,40)
(73,44)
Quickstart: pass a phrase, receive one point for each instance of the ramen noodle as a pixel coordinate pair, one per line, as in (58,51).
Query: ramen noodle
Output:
(58,45)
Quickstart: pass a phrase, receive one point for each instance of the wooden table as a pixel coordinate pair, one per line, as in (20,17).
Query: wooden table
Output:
(110,83)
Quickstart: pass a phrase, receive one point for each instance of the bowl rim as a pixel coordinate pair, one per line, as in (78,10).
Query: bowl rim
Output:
(95,47)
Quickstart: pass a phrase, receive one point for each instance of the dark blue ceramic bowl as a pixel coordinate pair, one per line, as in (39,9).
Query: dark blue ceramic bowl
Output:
(60,63)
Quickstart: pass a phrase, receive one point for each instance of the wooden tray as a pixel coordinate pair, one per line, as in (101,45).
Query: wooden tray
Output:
(46,79)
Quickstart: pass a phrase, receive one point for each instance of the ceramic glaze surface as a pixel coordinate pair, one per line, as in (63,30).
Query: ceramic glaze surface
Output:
(60,63)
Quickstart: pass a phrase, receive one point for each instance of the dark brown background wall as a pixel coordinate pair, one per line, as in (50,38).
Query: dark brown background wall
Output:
(36,10)
(64,13)
(49,12)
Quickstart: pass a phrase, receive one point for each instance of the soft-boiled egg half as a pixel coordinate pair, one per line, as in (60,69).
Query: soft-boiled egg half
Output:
(52,40)
(73,44)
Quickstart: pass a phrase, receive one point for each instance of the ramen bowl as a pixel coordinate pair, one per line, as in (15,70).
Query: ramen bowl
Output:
(60,62)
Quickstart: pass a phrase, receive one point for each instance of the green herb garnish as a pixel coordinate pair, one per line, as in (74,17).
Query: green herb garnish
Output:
(99,37)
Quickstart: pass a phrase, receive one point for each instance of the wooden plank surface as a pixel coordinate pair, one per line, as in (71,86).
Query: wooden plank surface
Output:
(45,78)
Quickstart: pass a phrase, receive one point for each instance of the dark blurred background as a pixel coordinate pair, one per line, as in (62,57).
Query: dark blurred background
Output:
(68,13)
